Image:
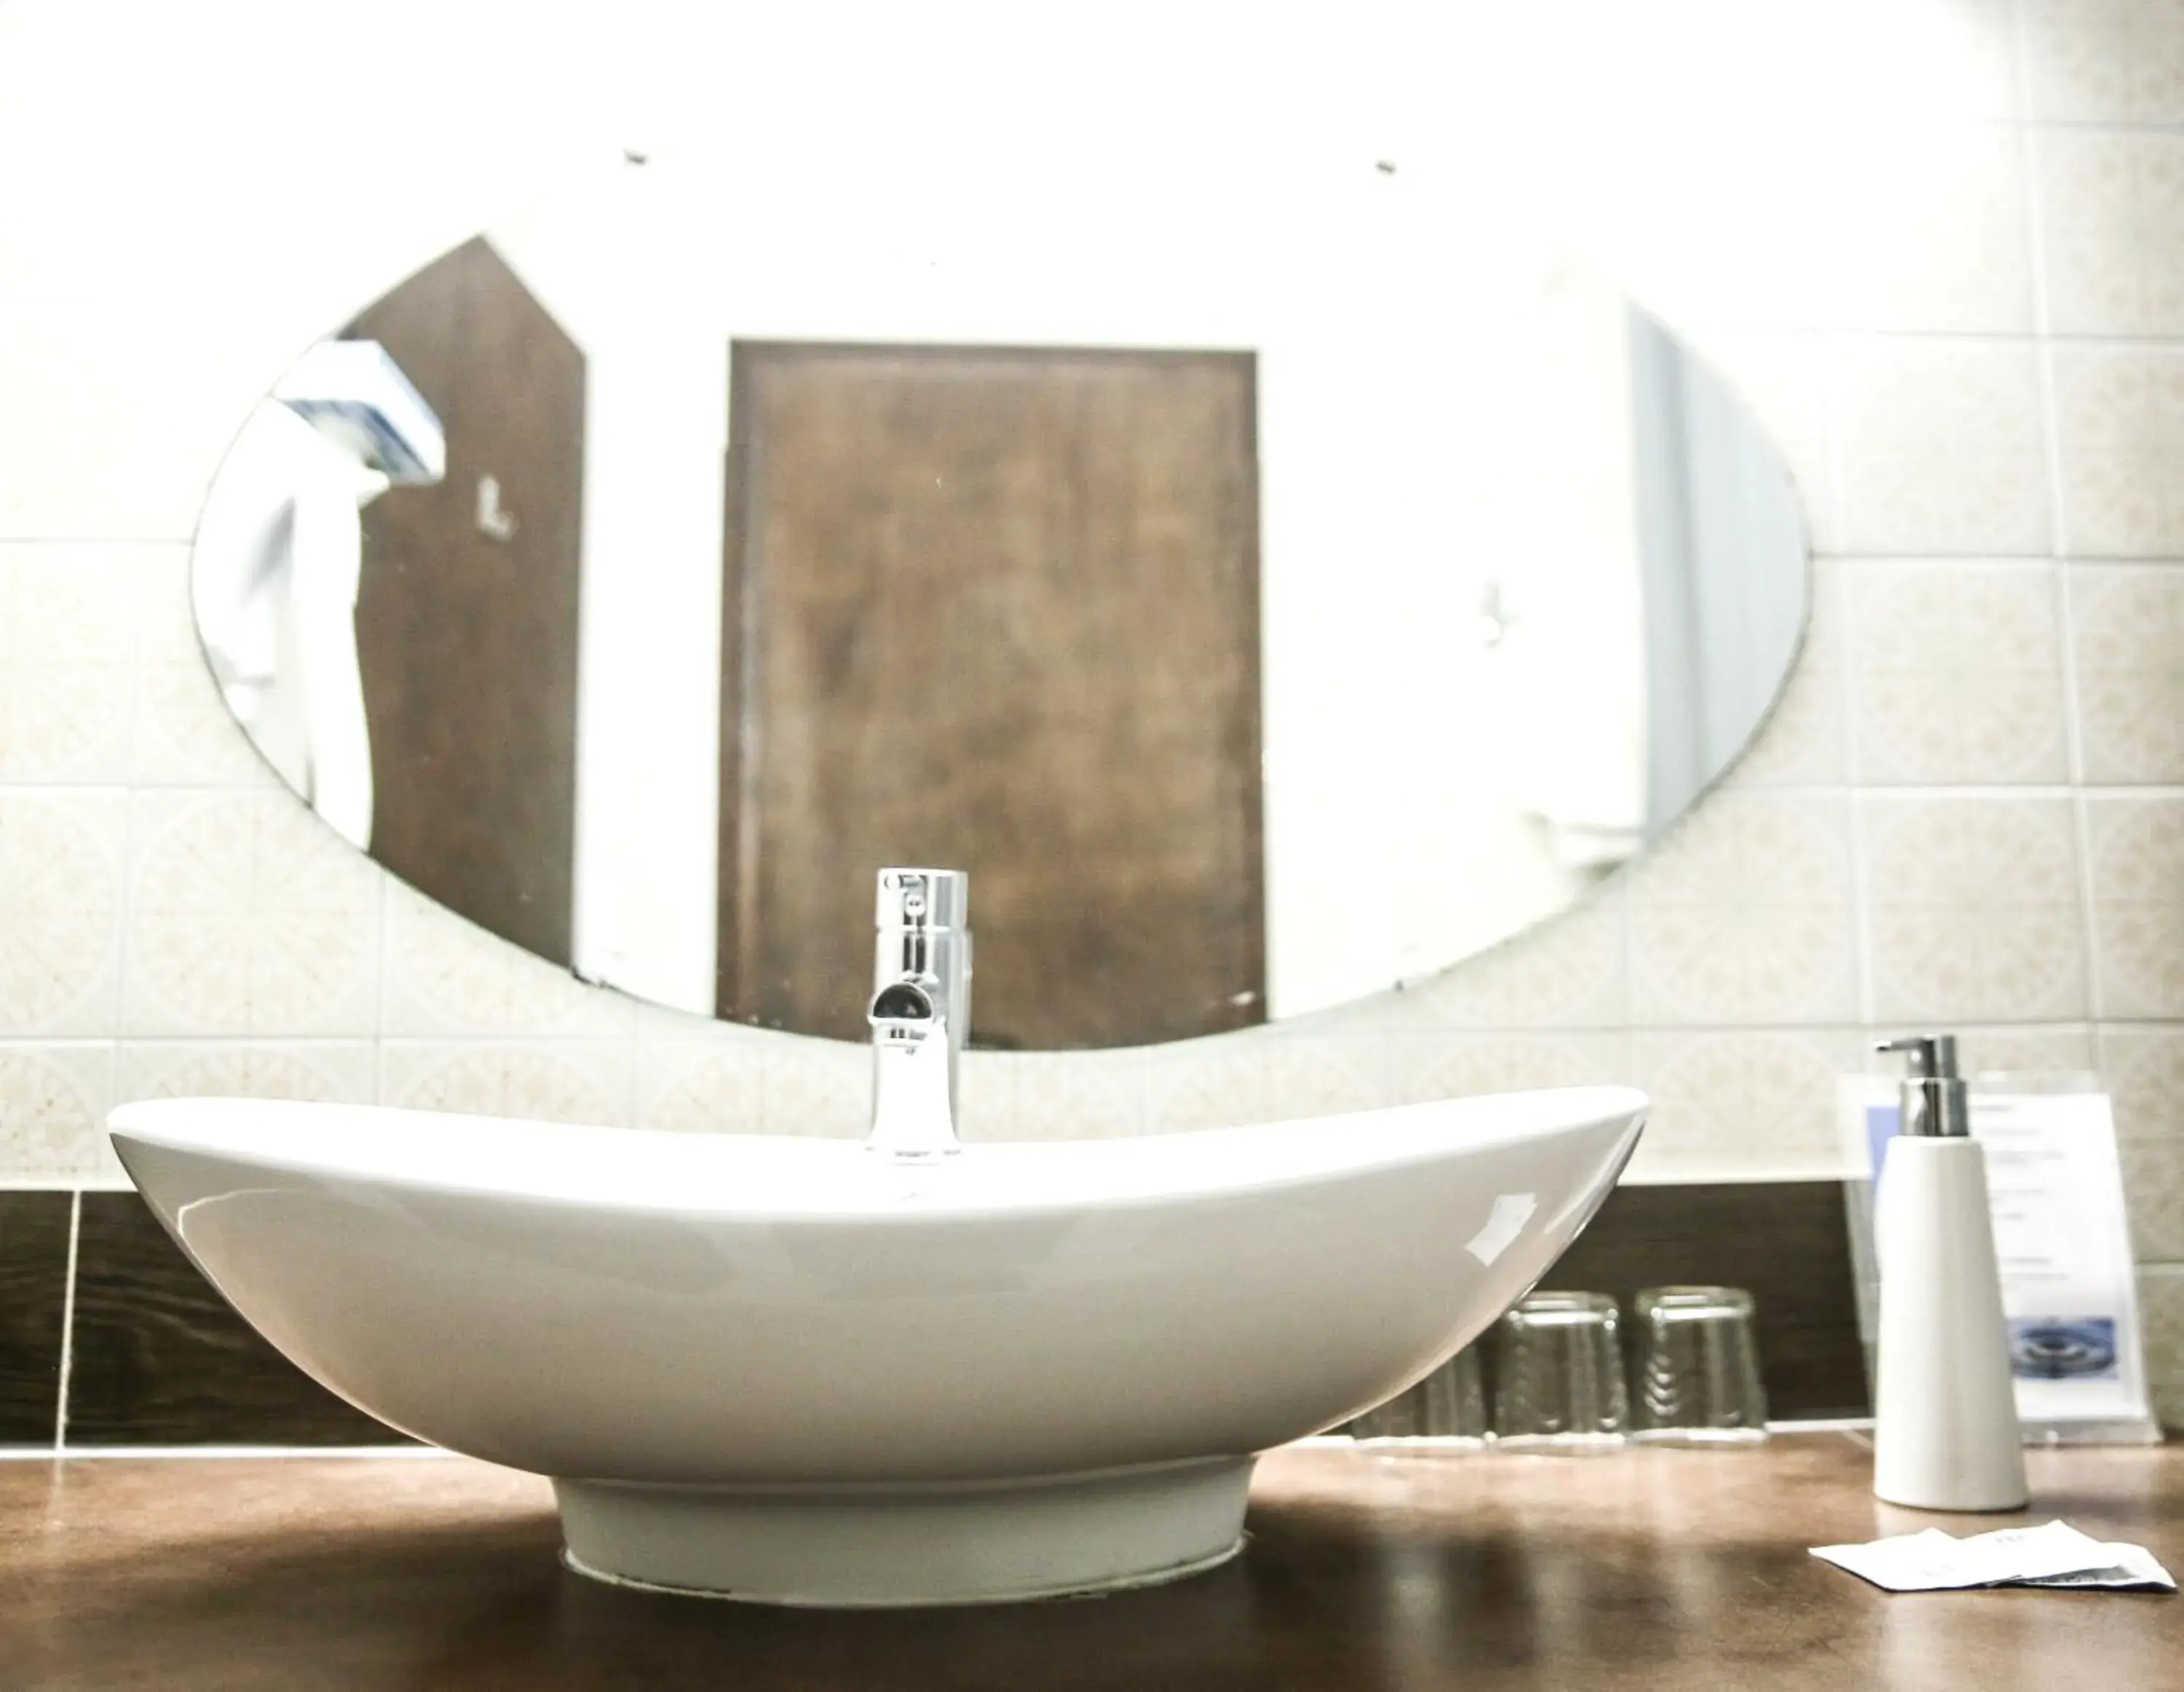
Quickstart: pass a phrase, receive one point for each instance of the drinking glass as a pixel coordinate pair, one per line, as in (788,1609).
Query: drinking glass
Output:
(1445,1412)
(1558,1374)
(1694,1367)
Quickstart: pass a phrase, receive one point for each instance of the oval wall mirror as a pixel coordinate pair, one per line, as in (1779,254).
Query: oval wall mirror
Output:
(1269,591)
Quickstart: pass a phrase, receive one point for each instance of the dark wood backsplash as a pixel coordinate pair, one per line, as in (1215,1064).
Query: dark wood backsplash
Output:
(159,1358)
(34,1250)
(1786,1243)
(938,647)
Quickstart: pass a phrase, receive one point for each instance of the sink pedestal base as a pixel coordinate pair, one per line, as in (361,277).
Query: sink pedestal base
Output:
(946,1543)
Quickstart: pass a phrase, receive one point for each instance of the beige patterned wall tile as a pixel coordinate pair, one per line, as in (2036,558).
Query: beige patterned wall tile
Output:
(444,976)
(314,1071)
(1375,1014)
(2120,430)
(587,1083)
(1959,674)
(1079,1095)
(1218,1082)
(825,1087)
(667,1026)
(2127,629)
(986,1108)
(2138,849)
(2153,1190)
(61,885)
(2161,1320)
(1112,1094)
(2111,61)
(1804,741)
(1567,972)
(68,658)
(1972,911)
(247,915)
(53,1100)
(1425,1066)
(2025,1048)
(822,1088)
(701,1087)
(1742,1105)
(1941,447)
(1327,1077)
(2112,212)
(183,733)
(1744,914)
(2143,1067)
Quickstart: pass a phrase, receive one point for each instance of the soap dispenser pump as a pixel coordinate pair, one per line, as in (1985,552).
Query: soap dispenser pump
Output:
(1945,1434)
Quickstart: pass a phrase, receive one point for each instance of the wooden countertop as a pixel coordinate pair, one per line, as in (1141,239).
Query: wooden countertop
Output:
(1649,1569)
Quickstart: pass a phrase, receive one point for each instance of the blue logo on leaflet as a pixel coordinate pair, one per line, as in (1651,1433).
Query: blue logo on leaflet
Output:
(2050,1348)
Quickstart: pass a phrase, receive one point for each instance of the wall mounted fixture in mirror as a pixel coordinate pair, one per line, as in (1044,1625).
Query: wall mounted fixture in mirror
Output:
(1269,591)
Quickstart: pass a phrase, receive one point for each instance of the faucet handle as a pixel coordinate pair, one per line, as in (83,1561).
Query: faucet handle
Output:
(922,899)
(903,1013)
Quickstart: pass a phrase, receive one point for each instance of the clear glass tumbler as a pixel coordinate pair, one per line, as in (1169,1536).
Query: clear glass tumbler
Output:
(1445,1412)
(1558,1374)
(1694,1367)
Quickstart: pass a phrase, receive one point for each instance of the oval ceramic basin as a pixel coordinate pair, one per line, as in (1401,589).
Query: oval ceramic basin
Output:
(798,1371)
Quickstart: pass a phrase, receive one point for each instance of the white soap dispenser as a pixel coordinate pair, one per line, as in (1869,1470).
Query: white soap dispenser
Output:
(1945,1432)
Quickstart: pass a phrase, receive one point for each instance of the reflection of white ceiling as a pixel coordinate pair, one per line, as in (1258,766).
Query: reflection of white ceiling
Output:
(789,245)
(1442,406)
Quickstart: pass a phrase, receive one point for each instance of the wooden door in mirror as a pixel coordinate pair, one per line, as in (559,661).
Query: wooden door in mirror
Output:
(994,609)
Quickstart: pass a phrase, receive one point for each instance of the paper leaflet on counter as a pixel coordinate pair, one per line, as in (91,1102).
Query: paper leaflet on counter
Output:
(2069,1287)
(2056,1554)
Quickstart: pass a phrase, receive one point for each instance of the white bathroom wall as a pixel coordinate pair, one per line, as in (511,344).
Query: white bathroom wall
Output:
(1938,244)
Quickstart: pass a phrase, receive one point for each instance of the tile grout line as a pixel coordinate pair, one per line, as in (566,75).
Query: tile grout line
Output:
(1861,879)
(1844,562)
(1838,507)
(1994,556)
(2112,126)
(132,808)
(2043,329)
(2051,446)
(2081,830)
(2020,64)
(1861,906)
(1838,331)
(68,1324)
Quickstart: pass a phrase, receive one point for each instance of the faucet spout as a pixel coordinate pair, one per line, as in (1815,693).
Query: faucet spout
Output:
(920,1010)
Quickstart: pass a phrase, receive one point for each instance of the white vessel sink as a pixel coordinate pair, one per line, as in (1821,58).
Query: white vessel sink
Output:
(800,1372)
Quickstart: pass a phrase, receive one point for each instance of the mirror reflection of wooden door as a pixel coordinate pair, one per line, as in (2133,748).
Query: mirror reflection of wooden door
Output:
(997,609)
(467,638)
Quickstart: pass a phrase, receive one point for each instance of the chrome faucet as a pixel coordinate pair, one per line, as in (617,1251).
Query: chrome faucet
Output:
(920,1010)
